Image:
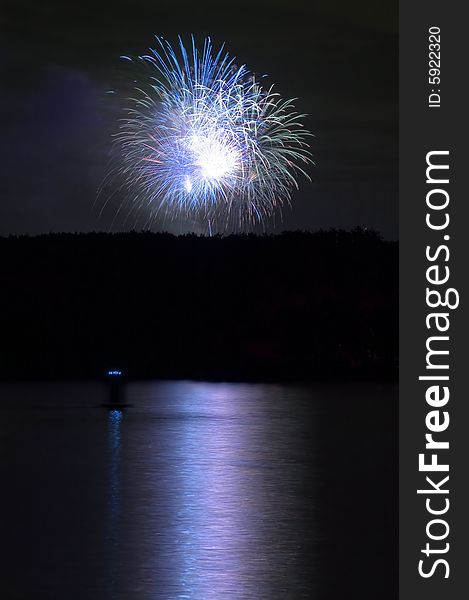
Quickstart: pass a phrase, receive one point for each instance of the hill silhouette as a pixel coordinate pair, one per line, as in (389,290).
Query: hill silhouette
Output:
(293,306)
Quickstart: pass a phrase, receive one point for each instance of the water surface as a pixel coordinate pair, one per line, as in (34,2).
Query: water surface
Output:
(199,491)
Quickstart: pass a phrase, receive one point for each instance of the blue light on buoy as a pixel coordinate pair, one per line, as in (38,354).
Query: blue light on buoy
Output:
(116,390)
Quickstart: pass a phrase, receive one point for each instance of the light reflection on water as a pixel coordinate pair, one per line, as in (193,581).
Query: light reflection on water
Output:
(115,417)
(215,520)
(219,497)
(201,491)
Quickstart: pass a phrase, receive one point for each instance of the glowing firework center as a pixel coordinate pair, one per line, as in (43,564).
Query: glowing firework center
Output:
(215,161)
(204,139)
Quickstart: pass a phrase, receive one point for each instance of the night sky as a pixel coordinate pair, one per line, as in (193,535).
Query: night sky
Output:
(59,59)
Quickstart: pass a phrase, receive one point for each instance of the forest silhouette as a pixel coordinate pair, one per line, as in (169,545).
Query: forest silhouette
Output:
(295,306)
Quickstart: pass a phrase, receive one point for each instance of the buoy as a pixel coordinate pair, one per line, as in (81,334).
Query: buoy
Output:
(116,390)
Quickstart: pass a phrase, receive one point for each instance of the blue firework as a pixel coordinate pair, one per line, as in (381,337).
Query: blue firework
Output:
(203,139)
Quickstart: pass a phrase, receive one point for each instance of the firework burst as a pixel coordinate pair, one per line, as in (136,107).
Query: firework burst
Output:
(204,140)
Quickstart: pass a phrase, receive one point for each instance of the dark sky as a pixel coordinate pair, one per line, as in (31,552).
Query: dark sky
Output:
(58,59)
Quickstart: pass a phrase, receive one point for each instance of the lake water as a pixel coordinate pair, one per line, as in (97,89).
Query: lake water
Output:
(199,491)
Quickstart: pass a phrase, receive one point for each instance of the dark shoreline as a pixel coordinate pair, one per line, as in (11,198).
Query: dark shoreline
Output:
(294,307)
(352,379)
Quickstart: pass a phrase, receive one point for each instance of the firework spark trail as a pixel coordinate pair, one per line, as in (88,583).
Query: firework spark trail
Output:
(203,139)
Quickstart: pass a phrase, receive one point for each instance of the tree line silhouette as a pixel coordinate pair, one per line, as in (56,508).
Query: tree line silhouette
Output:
(293,306)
